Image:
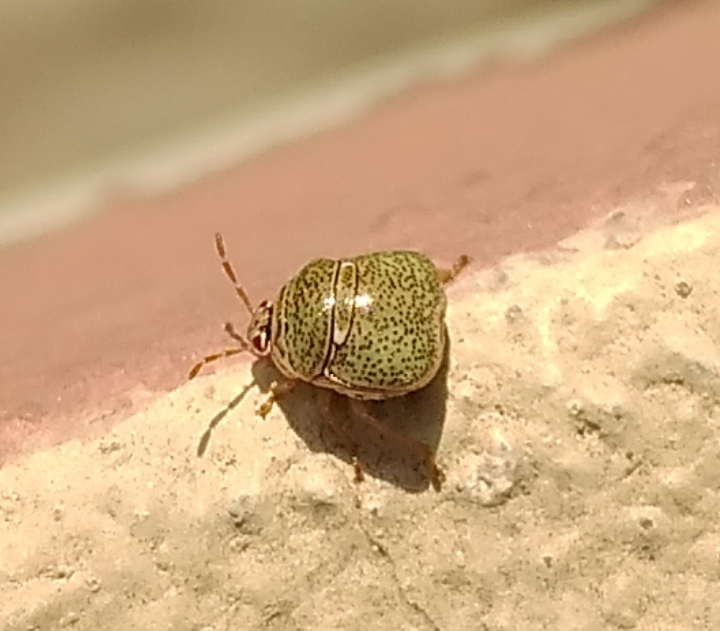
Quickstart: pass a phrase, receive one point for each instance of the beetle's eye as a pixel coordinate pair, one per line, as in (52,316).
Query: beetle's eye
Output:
(260,342)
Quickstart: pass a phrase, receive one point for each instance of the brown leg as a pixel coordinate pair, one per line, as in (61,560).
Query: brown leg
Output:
(277,390)
(324,399)
(421,449)
(228,352)
(448,275)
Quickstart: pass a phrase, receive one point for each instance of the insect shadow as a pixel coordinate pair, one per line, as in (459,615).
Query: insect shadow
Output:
(418,416)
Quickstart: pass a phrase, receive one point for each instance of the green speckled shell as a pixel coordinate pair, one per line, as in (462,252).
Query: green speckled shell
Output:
(302,319)
(371,327)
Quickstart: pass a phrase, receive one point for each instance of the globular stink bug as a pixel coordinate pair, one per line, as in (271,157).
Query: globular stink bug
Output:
(370,327)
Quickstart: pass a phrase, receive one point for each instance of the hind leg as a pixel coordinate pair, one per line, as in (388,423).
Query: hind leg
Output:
(446,276)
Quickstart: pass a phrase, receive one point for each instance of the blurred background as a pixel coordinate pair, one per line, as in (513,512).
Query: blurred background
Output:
(105,97)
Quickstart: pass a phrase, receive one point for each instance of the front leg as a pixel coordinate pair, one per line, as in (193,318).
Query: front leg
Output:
(277,390)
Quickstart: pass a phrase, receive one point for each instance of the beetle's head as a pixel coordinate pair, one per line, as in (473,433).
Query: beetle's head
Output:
(258,333)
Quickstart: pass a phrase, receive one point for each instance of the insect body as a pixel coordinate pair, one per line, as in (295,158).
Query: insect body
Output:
(370,327)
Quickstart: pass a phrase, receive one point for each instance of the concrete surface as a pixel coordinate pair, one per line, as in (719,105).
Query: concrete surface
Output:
(579,427)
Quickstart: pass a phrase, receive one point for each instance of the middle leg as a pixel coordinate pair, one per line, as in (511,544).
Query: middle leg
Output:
(437,477)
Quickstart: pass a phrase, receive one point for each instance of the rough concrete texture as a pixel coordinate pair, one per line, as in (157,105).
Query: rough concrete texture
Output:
(580,442)
(98,319)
